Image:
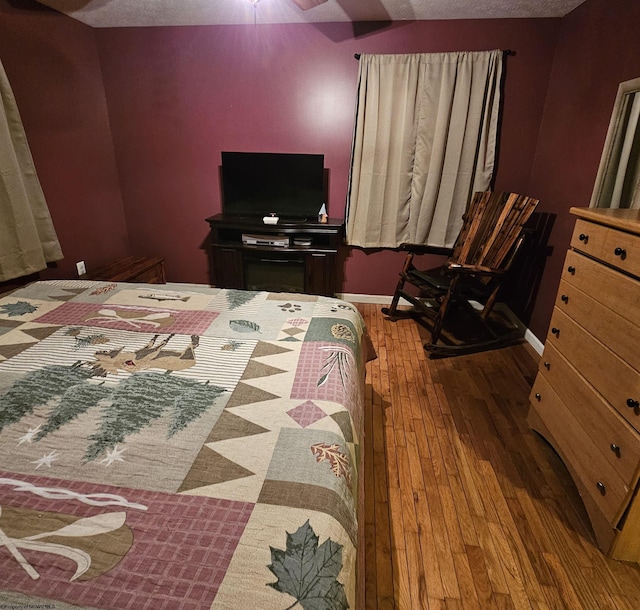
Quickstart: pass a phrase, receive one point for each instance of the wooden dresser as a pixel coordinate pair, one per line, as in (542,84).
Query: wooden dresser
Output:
(586,397)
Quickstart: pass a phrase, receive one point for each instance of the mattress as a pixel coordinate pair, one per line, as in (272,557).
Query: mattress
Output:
(179,447)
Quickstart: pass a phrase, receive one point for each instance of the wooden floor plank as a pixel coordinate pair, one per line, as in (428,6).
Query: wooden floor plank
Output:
(430,558)
(480,574)
(466,507)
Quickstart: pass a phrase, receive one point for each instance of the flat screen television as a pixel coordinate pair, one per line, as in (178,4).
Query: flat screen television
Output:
(258,184)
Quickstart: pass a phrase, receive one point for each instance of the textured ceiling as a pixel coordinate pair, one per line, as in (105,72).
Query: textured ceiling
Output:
(124,13)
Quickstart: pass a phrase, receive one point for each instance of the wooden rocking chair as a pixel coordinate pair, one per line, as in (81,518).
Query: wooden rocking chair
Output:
(491,234)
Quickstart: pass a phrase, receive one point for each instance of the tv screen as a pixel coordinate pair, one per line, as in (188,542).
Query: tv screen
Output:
(284,184)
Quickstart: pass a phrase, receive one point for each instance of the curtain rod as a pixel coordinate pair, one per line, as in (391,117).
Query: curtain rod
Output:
(507,52)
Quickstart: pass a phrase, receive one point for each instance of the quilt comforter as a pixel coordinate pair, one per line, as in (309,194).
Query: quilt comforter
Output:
(178,447)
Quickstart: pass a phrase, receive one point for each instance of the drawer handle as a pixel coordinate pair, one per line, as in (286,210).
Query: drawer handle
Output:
(564,298)
(538,397)
(616,449)
(601,487)
(583,237)
(632,404)
(571,269)
(547,365)
(621,252)
(555,331)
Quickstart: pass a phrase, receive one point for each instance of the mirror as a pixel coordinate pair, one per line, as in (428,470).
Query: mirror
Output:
(618,180)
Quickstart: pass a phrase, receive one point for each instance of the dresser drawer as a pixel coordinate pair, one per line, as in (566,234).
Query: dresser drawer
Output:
(618,333)
(612,377)
(612,435)
(614,247)
(613,289)
(605,486)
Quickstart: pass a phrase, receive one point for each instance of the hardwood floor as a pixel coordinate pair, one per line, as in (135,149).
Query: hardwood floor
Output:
(465,506)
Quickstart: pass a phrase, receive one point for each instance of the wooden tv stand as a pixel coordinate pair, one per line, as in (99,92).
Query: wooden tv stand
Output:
(308,262)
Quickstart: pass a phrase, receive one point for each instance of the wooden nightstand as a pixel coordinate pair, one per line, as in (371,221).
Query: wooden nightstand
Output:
(141,269)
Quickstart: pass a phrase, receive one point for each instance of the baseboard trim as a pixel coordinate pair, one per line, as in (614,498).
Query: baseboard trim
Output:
(534,342)
(375,299)
(527,335)
(381,299)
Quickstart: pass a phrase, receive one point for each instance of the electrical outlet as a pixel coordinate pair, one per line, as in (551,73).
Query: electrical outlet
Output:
(80,266)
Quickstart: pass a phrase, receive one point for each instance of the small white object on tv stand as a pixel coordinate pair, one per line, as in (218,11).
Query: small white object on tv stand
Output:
(271,220)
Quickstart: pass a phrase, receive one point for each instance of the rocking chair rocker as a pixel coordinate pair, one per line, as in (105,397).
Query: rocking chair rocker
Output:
(491,234)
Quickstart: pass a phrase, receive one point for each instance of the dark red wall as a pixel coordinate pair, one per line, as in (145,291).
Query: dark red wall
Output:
(146,169)
(598,48)
(52,64)
(177,96)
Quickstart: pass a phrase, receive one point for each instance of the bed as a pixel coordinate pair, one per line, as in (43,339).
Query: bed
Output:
(179,447)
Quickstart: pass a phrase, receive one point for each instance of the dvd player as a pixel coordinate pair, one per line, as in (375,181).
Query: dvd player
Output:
(279,241)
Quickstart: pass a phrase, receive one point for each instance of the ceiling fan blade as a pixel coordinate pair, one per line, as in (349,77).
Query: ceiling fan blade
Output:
(305,5)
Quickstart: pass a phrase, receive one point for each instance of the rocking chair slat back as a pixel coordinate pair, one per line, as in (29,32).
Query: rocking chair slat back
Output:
(492,225)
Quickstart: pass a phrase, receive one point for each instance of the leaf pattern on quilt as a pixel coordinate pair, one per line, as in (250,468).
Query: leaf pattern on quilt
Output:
(308,572)
(19,308)
(244,326)
(237,298)
(104,289)
(339,461)
(338,359)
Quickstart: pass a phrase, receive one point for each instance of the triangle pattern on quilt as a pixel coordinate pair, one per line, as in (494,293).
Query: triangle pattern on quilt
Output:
(232,426)
(257,369)
(245,394)
(9,351)
(40,332)
(67,297)
(268,349)
(210,468)
(343,419)
(4,323)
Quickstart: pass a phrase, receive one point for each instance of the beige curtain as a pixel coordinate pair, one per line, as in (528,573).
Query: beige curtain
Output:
(28,240)
(424,142)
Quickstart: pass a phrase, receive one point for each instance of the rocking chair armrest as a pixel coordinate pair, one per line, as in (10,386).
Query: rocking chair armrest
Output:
(425,249)
(463,269)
